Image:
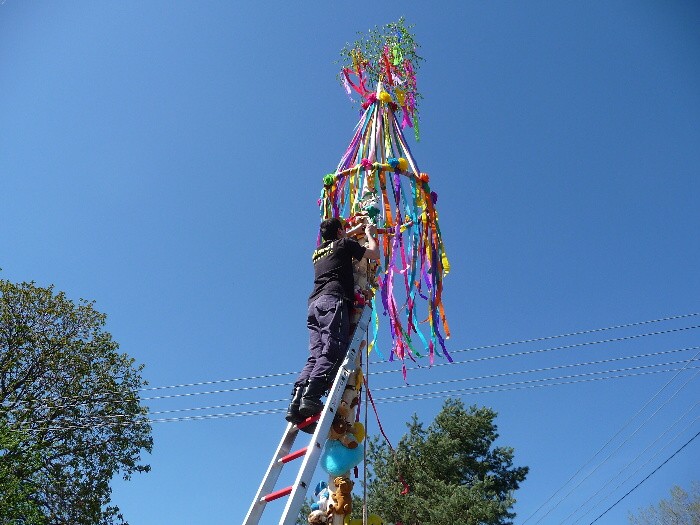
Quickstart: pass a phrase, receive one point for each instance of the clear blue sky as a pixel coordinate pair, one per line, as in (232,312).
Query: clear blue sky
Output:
(164,159)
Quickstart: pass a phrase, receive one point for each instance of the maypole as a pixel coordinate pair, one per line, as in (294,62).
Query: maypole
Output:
(378,181)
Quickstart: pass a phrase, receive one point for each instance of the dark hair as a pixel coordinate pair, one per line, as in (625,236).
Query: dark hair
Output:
(329,229)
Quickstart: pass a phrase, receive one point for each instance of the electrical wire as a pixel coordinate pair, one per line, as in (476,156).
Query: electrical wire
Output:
(427,384)
(535,370)
(516,386)
(652,458)
(646,478)
(395,399)
(484,347)
(630,463)
(685,367)
(81,399)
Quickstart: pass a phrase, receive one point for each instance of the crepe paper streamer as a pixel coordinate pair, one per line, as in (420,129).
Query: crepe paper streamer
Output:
(378,163)
(378,177)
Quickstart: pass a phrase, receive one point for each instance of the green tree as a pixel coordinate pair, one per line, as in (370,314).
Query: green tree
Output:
(455,473)
(18,468)
(682,509)
(70,411)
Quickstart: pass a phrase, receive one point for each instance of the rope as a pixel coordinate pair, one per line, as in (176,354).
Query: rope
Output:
(406,488)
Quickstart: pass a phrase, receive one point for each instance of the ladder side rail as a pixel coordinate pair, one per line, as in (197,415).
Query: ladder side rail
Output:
(308,467)
(271,475)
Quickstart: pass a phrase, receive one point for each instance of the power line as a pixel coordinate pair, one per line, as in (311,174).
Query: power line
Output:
(467,361)
(607,483)
(685,367)
(394,399)
(646,478)
(484,347)
(432,383)
(81,399)
(484,389)
(658,452)
(543,369)
(535,383)
(582,332)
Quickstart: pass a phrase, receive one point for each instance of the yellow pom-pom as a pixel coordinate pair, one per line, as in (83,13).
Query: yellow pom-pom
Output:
(403,164)
(384,96)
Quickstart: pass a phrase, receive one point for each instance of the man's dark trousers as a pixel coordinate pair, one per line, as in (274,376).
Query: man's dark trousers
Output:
(328,321)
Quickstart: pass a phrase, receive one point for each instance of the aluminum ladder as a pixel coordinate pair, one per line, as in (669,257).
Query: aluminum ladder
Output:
(312,452)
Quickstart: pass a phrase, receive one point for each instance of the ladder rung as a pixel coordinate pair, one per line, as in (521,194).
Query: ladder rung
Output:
(318,426)
(308,421)
(293,455)
(277,494)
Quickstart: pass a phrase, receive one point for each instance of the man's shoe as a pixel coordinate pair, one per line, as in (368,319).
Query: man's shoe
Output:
(293,415)
(311,404)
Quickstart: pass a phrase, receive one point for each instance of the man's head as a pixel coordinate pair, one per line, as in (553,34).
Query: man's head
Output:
(331,228)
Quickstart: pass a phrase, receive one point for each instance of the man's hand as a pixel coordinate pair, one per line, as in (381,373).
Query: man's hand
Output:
(372,251)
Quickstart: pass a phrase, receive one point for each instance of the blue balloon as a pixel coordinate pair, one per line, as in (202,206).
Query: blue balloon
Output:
(337,459)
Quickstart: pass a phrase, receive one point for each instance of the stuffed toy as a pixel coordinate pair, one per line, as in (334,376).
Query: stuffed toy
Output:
(322,495)
(339,427)
(341,498)
(317,517)
(343,432)
(358,431)
(349,401)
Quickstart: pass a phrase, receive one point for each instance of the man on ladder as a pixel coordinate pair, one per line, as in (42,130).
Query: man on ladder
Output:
(328,316)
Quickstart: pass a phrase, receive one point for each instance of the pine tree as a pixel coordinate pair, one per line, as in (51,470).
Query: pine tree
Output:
(454,472)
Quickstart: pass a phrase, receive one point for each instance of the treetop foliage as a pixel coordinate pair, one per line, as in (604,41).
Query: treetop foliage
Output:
(682,508)
(455,472)
(70,411)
